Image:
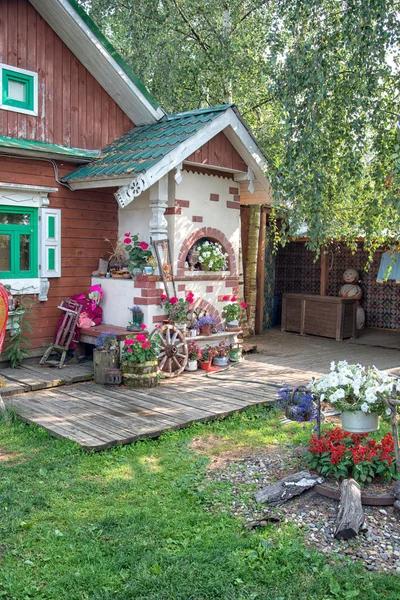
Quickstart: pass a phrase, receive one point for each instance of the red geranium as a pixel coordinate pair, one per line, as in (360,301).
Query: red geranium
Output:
(173,300)
(127,240)
(243,304)
(143,326)
(225,298)
(163,297)
(143,245)
(141,337)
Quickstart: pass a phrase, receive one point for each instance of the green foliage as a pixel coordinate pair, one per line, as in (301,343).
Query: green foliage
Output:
(317,80)
(140,348)
(18,346)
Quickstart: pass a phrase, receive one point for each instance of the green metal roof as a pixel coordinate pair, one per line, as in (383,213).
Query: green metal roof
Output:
(143,147)
(116,56)
(45,148)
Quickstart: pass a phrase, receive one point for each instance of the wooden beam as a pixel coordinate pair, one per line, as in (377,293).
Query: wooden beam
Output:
(323,288)
(261,273)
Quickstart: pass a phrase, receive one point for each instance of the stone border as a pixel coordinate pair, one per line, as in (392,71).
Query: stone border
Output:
(368,499)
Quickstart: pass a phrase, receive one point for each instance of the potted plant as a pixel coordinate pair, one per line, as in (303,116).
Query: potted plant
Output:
(211,256)
(235,353)
(207,355)
(177,309)
(139,360)
(358,392)
(232,312)
(194,354)
(221,357)
(105,356)
(298,403)
(137,319)
(205,324)
(138,253)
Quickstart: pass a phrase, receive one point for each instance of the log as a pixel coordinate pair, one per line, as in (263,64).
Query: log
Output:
(103,360)
(285,489)
(396,490)
(350,517)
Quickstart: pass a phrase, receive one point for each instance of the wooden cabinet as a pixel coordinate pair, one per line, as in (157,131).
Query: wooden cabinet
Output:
(326,316)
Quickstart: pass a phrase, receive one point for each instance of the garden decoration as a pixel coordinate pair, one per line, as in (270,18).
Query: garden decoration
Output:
(358,392)
(351,289)
(65,334)
(222,354)
(137,319)
(105,356)
(232,312)
(205,323)
(235,353)
(194,354)
(298,403)
(177,309)
(138,253)
(173,355)
(162,251)
(211,256)
(139,360)
(118,256)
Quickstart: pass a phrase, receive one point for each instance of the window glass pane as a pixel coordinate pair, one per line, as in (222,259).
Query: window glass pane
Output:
(5,252)
(17,90)
(14,219)
(24,251)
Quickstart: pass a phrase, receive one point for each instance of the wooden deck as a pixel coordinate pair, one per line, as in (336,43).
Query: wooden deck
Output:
(97,417)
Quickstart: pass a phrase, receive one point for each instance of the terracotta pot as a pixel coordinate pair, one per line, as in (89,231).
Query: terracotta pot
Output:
(206,366)
(205,330)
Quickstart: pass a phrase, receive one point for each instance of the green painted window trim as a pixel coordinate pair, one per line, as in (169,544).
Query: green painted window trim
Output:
(29,80)
(51,227)
(51,258)
(15,231)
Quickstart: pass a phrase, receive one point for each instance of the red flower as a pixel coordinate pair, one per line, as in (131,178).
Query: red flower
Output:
(129,350)
(129,341)
(163,297)
(189,299)
(127,240)
(243,304)
(233,299)
(143,326)
(143,245)
(141,337)
(225,298)
(173,300)
(127,234)
(144,345)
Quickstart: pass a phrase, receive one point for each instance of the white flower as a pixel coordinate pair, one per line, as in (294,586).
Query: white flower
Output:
(388,412)
(333,365)
(364,407)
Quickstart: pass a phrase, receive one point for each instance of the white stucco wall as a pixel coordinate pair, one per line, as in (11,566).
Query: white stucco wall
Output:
(135,217)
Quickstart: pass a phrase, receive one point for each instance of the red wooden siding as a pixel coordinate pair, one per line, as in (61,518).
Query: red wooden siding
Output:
(219,152)
(87,217)
(74,110)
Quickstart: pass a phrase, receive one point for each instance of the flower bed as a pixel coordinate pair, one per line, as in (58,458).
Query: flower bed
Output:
(341,454)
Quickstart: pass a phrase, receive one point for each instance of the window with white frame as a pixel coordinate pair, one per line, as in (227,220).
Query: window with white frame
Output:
(19,90)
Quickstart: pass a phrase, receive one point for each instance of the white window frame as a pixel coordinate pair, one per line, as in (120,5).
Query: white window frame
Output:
(16,109)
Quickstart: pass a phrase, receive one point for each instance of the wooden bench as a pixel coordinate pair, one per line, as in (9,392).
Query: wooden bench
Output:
(89,335)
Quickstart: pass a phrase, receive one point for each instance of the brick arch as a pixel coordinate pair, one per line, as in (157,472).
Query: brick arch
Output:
(214,235)
(209,308)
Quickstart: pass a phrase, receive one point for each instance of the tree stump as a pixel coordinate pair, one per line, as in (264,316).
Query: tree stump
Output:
(350,517)
(103,360)
(285,489)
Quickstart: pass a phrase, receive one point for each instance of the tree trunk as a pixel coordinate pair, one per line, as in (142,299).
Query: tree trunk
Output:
(350,517)
(250,274)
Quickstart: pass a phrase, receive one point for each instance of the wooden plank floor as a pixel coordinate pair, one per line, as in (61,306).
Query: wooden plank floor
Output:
(97,417)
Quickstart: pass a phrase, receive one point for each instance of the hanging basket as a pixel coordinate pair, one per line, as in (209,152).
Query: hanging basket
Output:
(359,422)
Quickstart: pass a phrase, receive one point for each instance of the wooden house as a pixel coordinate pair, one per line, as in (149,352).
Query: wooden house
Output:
(86,154)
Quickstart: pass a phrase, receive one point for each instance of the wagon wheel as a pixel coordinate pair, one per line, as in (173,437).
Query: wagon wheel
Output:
(173,355)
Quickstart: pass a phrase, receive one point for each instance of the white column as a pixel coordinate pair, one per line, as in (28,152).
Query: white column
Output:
(159,201)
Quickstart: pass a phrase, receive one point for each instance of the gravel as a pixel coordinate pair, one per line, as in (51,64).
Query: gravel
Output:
(378,547)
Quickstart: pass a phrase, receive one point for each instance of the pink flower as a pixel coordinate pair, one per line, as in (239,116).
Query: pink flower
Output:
(129,341)
(127,234)
(189,299)
(127,240)
(243,304)
(225,298)
(163,297)
(233,299)
(144,345)
(143,326)
(129,350)
(141,337)
(143,245)
(173,300)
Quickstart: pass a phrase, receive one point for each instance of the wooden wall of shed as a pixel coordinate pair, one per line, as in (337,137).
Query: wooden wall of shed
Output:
(87,218)
(74,110)
(218,152)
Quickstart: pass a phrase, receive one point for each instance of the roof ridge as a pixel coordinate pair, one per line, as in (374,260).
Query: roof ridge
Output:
(197,111)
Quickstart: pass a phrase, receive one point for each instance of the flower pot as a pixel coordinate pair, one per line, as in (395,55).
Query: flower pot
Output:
(221,361)
(191,365)
(103,360)
(181,326)
(206,366)
(140,375)
(234,323)
(359,421)
(148,270)
(235,354)
(135,272)
(205,330)
(193,333)
(137,320)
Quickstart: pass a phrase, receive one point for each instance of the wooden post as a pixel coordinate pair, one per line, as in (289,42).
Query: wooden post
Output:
(393,405)
(261,273)
(350,517)
(323,288)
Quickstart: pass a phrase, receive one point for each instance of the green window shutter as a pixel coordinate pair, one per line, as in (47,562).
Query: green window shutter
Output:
(50,241)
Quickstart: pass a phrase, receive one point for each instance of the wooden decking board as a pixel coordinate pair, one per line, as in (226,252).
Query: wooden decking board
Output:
(203,398)
(31,377)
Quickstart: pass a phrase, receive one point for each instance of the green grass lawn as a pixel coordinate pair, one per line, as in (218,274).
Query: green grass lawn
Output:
(135,523)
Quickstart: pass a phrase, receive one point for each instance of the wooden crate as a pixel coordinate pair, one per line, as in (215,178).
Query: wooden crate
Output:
(325,316)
